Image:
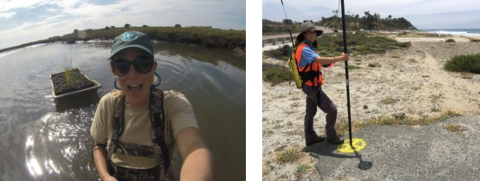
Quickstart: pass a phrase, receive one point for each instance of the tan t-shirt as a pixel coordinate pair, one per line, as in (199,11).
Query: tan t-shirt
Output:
(137,127)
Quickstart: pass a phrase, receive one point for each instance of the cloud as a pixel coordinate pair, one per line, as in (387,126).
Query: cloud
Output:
(40,19)
(51,9)
(6,16)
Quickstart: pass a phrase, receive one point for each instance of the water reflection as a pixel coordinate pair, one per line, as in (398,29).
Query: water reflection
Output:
(214,56)
(57,146)
(77,101)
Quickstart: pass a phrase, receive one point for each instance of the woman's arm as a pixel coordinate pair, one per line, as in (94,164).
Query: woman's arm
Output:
(329,60)
(100,159)
(197,158)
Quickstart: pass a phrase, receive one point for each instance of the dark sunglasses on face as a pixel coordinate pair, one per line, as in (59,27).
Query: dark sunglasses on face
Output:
(142,64)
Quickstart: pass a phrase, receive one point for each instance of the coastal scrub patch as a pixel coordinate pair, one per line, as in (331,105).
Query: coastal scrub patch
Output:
(276,75)
(450,40)
(282,53)
(464,63)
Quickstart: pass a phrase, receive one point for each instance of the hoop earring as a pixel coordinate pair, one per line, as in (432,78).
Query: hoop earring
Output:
(157,77)
(115,85)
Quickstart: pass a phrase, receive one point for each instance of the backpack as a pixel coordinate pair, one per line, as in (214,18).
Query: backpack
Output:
(292,63)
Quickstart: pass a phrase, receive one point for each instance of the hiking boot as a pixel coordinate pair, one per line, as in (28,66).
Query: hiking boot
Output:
(316,140)
(337,141)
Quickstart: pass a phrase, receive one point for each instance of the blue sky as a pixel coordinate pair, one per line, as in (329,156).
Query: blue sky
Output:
(424,14)
(23,21)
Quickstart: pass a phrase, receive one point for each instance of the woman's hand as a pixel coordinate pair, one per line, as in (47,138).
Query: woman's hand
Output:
(344,57)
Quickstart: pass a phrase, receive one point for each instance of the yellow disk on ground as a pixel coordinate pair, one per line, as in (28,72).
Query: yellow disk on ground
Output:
(358,144)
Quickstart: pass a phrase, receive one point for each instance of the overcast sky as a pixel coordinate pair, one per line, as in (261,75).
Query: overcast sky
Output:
(23,21)
(423,14)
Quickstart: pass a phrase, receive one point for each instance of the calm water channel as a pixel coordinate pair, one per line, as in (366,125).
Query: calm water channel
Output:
(45,139)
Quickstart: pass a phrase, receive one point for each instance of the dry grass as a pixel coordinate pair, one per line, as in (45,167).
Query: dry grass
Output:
(279,96)
(416,88)
(295,132)
(457,129)
(466,75)
(302,168)
(287,156)
(435,109)
(288,111)
(295,104)
(435,98)
(342,127)
(389,100)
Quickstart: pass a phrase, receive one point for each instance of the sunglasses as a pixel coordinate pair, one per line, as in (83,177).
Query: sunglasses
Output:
(142,64)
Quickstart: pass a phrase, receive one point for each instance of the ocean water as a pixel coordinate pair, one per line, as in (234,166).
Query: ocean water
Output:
(461,32)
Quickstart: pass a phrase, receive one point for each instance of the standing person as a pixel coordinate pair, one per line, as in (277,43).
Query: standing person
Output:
(309,64)
(136,127)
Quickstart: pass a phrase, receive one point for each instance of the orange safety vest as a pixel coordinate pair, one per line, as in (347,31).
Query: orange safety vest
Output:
(311,71)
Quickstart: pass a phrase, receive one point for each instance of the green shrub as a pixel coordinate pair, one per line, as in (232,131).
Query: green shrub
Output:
(276,75)
(282,53)
(353,67)
(450,40)
(464,63)
(364,43)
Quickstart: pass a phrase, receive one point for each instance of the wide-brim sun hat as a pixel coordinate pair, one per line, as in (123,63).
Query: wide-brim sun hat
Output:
(131,39)
(307,27)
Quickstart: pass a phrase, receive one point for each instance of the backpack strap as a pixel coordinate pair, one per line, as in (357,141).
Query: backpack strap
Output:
(158,123)
(118,122)
(118,119)
(157,118)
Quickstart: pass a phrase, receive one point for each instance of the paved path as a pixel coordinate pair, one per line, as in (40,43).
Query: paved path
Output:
(406,153)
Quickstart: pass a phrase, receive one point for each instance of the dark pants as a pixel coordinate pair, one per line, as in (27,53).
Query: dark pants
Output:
(321,100)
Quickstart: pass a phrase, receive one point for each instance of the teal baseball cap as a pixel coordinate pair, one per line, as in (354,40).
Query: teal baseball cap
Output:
(131,39)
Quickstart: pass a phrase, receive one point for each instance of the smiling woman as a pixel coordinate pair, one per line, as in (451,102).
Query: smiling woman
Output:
(147,122)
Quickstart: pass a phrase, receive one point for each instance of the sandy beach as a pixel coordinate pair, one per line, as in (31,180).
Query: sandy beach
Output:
(410,81)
